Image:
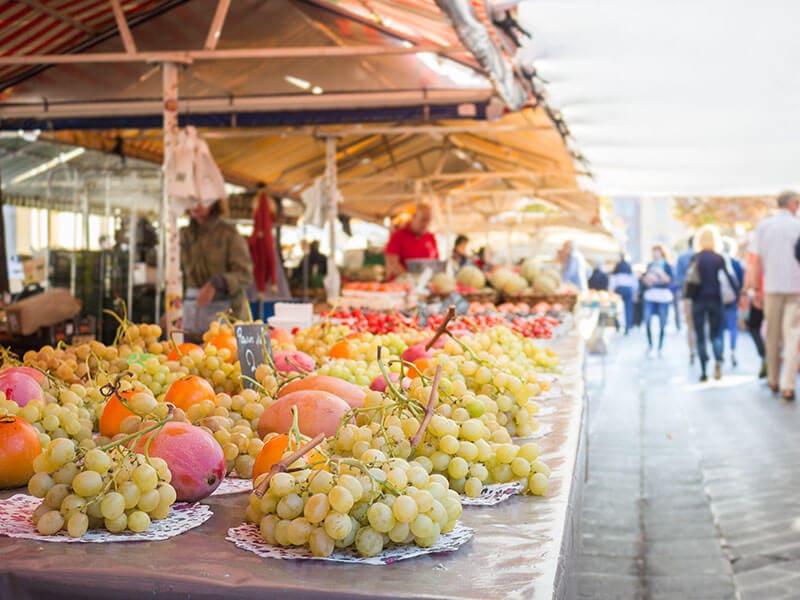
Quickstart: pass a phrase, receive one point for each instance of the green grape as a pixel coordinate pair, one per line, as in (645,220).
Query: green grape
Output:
(40,484)
(290,507)
(97,460)
(77,525)
(117,525)
(424,527)
(380,517)
(520,467)
(399,533)
(298,531)
(404,509)
(146,477)
(50,523)
(316,508)
(267,528)
(87,483)
(281,484)
(320,543)
(138,521)
(341,500)
(473,487)
(337,525)
(55,495)
(149,500)
(538,466)
(130,492)
(112,505)
(369,542)
(538,483)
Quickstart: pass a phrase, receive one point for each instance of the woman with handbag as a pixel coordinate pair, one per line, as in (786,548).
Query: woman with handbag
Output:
(657,294)
(709,285)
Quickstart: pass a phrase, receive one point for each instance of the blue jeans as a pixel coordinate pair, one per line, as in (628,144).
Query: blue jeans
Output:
(710,311)
(662,310)
(732,323)
(626,293)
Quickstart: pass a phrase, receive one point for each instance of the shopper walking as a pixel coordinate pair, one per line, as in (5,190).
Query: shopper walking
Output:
(573,266)
(657,294)
(707,291)
(217,268)
(685,304)
(774,246)
(731,310)
(625,284)
(598,280)
(754,303)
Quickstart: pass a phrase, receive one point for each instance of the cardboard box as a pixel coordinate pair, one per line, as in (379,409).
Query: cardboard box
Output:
(42,310)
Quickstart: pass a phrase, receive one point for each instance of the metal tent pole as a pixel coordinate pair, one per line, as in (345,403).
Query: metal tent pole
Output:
(172,275)
(330,186)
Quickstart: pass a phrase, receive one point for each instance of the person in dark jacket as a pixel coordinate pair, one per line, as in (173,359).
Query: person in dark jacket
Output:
(707,299)
(625,284)
(598,280)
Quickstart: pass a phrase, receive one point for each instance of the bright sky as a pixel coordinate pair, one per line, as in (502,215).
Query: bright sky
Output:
(695,97)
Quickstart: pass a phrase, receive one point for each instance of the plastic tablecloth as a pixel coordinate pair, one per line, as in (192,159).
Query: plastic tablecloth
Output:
(525,547)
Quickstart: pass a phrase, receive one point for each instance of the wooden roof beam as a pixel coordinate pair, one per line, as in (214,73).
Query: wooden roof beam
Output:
(124,30)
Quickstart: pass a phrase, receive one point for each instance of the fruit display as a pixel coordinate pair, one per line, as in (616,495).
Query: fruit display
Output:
(406,420)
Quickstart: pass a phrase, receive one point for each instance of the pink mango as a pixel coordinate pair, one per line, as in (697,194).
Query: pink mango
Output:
(19,387)
(293,361)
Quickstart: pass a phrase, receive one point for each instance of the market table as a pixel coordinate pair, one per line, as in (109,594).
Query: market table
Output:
(525,547)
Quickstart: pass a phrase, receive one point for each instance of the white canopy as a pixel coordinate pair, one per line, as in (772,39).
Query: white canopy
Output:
(690,97)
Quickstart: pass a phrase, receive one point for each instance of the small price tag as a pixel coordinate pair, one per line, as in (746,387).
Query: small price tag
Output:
(252,341)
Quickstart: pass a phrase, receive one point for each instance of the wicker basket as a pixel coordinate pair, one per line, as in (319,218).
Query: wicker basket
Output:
(483,296)
(568,301)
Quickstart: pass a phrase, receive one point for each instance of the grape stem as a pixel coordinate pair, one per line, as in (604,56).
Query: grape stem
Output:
(442,329)
(429,410)
(283,465)
(138,434)
(395,392)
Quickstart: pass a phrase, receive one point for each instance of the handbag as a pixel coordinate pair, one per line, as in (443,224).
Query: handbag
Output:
(728,284)
(691,285)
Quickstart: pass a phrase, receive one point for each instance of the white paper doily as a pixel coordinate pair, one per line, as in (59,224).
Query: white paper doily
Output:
(16,522)
(555,391)
(493,493)
(247,537)
(233,485)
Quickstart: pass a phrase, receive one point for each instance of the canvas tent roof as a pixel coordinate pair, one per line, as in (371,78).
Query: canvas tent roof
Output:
(413,139)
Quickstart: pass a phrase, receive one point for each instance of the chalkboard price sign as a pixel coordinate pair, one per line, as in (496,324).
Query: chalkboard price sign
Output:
(252,341)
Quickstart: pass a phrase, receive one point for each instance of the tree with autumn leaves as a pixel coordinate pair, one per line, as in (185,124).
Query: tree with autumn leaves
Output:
(725,213)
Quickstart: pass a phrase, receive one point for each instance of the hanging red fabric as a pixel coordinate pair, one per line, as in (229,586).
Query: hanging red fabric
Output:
(262,244)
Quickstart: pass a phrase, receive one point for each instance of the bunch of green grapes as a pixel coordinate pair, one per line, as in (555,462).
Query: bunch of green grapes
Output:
(317,340)
(233,421)
(68,415)
(155,373)
(214,365)
(367,504)
(518,354)
(360,372)
(114,488)
(466,450)
(268,379)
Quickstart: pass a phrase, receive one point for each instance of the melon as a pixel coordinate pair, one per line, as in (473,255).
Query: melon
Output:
(514,284)
(471,276)
(546,283)
(499,276)
(442,283)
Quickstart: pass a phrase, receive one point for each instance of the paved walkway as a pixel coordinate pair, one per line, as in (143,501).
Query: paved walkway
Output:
(694,489)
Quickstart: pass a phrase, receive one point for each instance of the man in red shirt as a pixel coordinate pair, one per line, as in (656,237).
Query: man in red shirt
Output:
(411,241)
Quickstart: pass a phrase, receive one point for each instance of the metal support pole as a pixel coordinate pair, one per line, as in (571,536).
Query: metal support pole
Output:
(73,267)
(131,253)
(162,222)
(331,194)
(173,281)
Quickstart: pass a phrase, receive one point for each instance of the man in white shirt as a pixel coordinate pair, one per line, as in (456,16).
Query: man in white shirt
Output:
(774,242)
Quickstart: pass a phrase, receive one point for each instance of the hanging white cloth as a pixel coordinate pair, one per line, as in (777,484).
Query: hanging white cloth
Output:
(192,174)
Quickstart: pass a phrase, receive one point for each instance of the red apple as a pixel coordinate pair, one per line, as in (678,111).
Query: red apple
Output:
(194,457)
(19,387)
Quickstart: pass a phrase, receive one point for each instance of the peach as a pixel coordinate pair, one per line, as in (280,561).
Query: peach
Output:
(194,457)
(349,392)
(293,361)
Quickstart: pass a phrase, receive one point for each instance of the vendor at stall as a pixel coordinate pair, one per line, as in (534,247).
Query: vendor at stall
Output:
(412,241)
(217,268)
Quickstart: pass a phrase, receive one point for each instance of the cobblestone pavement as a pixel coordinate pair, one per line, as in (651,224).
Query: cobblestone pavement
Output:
(693,488)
